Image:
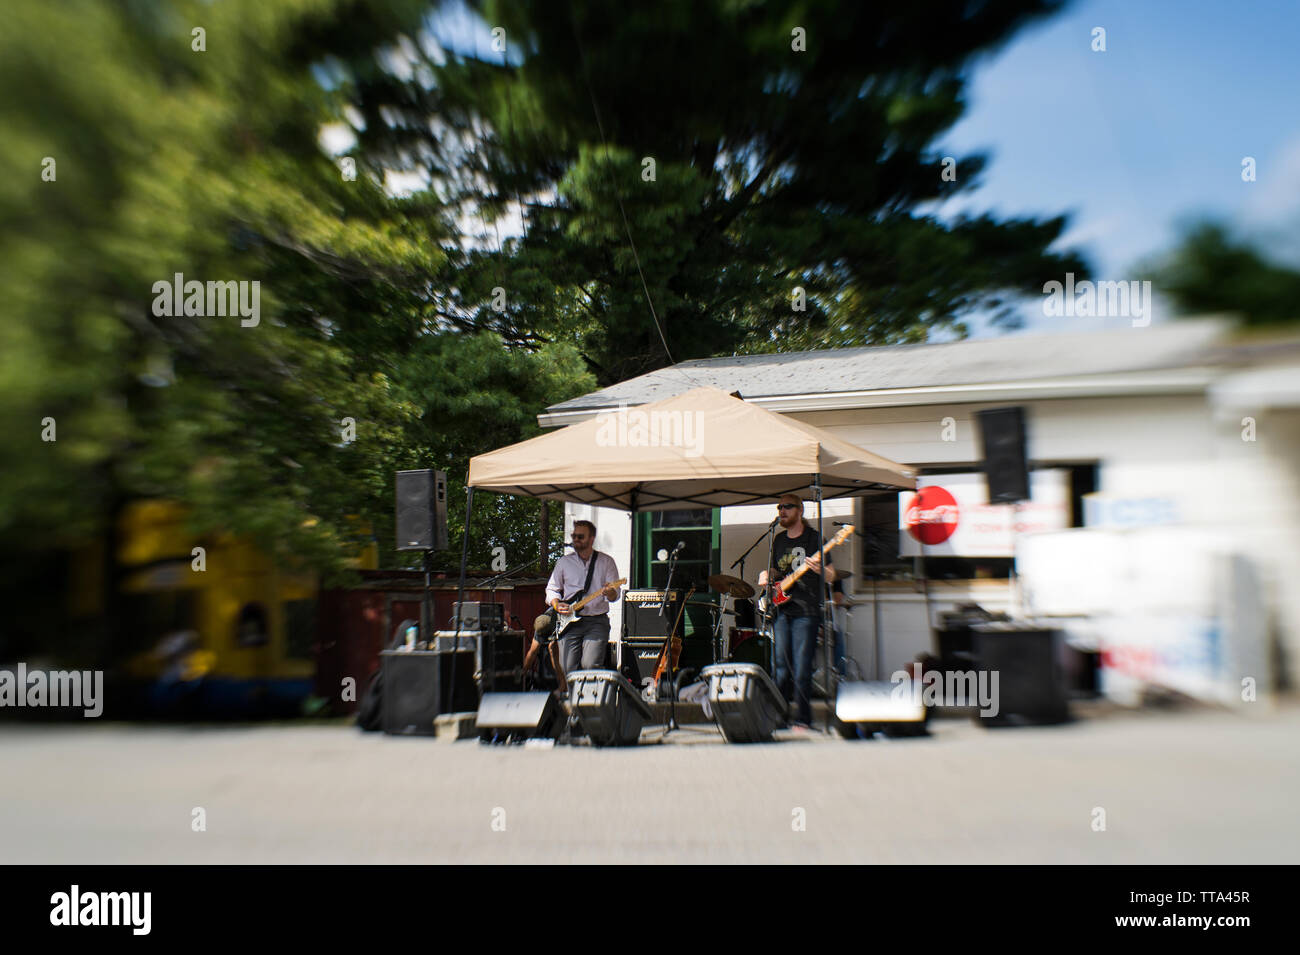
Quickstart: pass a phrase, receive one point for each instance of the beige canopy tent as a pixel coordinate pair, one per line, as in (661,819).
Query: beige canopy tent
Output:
(703,448)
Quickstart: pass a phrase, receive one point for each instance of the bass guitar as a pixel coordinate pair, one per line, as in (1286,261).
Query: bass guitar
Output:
(781,593)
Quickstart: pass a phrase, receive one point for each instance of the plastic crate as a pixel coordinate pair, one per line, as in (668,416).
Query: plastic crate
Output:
(609,707)
(746,704)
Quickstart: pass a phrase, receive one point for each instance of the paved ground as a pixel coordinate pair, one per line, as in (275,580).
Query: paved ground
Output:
(1176,787)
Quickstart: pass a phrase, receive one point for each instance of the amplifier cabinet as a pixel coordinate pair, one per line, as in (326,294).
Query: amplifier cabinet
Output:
(418,687)
(641,611)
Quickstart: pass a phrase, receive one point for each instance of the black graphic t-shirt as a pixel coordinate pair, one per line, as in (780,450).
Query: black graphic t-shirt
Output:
(789,553)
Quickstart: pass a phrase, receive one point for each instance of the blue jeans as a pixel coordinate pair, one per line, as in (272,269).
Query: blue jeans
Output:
(800,635)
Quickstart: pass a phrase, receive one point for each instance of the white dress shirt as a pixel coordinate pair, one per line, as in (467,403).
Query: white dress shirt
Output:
(570,574)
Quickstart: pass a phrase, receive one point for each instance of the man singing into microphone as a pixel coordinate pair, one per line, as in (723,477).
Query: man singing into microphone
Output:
(583,644)
(796,619)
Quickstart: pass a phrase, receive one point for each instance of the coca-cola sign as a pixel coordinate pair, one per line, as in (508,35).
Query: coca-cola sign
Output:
(949,515)
(932,515)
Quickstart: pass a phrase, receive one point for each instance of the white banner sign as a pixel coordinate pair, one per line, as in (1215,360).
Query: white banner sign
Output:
(989,530)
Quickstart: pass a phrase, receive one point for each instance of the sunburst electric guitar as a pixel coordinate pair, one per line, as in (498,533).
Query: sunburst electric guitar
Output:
(781,592)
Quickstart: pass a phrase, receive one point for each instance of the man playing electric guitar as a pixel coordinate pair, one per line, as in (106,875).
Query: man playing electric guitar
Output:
(796,618)
(584,642)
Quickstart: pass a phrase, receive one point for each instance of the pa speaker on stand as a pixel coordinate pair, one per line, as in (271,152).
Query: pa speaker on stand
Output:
(422,510)
(1002,433)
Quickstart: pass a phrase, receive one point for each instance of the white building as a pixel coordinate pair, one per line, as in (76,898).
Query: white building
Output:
(1176,446)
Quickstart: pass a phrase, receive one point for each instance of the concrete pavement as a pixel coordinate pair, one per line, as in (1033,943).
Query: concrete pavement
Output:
(1202,786)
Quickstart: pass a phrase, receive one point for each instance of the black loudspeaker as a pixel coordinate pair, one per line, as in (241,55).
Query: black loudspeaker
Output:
(421,510)
(506,717)
(1002,433)
(417,688)
(1030,663)
(503,660)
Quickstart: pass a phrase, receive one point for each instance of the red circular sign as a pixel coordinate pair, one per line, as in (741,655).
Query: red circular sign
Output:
(931,517)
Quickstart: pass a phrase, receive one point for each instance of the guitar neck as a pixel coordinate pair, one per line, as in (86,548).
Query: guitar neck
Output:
(790,580)
(592,596)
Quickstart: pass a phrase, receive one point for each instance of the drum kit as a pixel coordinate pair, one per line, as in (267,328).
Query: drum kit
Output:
(742,631)
(735,631)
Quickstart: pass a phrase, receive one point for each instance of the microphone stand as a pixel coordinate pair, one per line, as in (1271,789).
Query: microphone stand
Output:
(741,559)
(770,624)
(764,629)
(668,647)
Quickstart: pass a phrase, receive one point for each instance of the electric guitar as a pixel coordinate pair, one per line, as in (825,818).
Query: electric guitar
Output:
(782,591)
(563,620)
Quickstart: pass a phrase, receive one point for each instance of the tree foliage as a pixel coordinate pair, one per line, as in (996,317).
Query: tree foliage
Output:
(707,156)
(793,147)
(206,162)
(1212,271)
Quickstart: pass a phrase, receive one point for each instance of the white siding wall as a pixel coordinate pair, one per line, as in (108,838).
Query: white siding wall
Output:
(1169,446)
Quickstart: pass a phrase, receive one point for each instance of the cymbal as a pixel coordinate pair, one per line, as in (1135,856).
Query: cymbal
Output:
(727,584)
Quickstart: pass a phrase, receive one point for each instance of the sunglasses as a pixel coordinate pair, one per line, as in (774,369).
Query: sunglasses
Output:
(787,507)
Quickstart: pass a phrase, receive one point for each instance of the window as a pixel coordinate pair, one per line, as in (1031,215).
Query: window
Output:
(251,630)
(659,532)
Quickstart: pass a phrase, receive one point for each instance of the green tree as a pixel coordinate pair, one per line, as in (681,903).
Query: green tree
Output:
(178,152)
(793,145)
(1211,271)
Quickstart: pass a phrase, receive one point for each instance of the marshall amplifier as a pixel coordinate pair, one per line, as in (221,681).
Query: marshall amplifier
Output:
(641,611)
(646,652)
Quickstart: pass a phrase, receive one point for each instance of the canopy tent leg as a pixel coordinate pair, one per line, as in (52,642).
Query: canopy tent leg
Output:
(828,638)
(632,576)
(460,597)
(464,557)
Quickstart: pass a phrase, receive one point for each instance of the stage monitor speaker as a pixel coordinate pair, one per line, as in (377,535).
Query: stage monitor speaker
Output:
(506,717)
(862,709)
(1002,434)
(421,510)
(609,707)
(417,688)
(746,704)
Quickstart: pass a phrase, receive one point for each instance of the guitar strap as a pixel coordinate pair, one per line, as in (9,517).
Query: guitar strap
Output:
(586,588)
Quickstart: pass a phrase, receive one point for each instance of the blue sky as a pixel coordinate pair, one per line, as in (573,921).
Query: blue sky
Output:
(1136,140)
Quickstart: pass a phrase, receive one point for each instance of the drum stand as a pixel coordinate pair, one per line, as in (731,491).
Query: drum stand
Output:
(719,652)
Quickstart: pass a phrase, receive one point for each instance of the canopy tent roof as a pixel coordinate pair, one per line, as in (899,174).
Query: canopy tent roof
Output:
(703,448)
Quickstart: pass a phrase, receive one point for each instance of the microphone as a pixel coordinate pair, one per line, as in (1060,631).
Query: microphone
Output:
(681,546)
